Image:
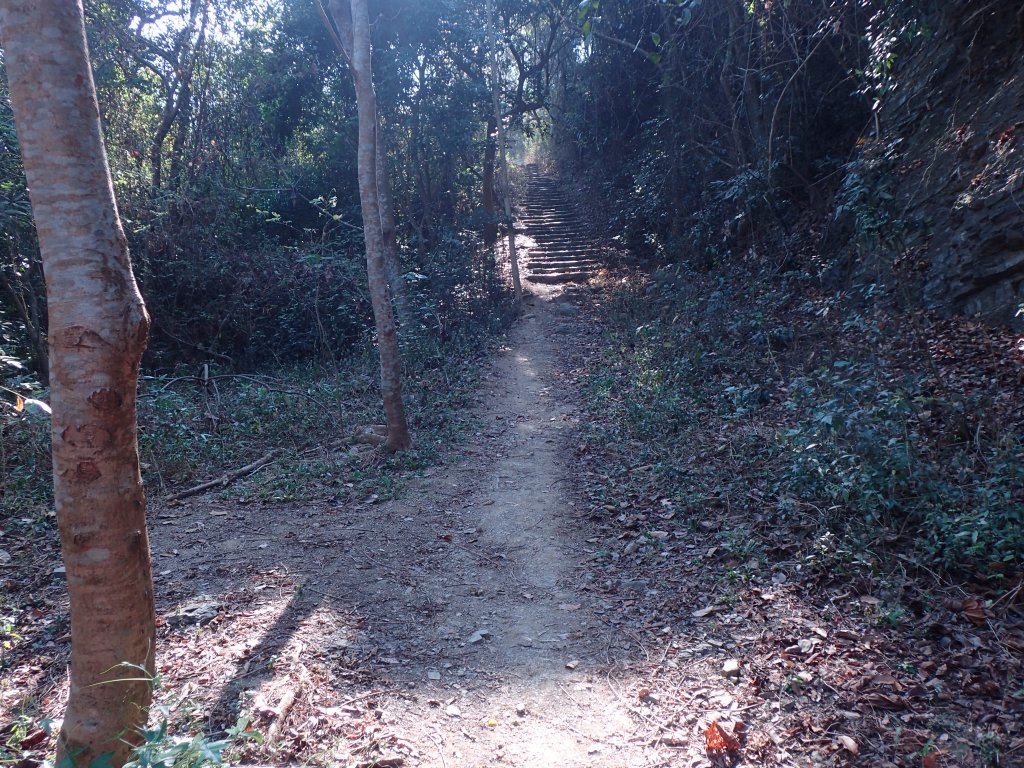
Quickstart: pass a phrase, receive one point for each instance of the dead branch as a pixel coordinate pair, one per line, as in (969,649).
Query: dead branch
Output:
(283,709)
(225,479)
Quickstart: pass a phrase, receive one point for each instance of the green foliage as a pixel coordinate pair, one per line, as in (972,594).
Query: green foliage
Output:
(861,449)
(678,153)
(243,218)
(866,198)
(864,452)
(161,749)
(894,27)
(24,458)
(178,740)
(193,426)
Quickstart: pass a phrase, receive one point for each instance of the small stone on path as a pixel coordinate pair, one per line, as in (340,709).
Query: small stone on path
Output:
(478,636)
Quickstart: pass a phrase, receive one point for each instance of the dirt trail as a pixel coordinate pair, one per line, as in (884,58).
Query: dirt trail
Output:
(534,690)
(446,628)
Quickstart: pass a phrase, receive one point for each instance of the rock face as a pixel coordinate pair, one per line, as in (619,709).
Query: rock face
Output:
(952,135)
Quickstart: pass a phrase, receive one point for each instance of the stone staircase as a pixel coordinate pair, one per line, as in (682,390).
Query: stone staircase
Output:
(563,252)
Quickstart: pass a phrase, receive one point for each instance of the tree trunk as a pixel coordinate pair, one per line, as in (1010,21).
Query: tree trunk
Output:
(389,230)
(353,20)
(490,204)
(178,97)
(98,329)
(732,49)
(180,141)
(517,286)
(419,164)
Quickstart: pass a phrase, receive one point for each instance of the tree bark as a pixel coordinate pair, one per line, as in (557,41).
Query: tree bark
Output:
(490,205)
(98,328)
(178,86)
(389,227)
(517,286)
(353,20)
(389,230)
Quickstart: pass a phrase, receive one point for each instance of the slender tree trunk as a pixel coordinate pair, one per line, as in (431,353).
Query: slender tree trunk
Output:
(178,99)
(726,76)
(489,202)
(353,20)
(419,163)
(180,141)
(388,225)
(517,286)
(98,329)
(389,230)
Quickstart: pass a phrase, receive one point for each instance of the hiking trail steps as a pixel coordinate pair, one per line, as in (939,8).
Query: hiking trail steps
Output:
(561,251)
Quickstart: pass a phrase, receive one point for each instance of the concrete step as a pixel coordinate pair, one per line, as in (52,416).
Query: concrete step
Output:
(562,278)
(545,258)
(564,253)
(566,230)
(556,261)
(569,244)
(580,270)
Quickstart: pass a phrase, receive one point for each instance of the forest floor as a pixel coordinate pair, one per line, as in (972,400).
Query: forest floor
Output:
(477,620)
(521,603)
(443,628)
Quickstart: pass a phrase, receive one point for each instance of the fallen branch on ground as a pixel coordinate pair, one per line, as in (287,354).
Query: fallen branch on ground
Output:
(283,709)
(225,479)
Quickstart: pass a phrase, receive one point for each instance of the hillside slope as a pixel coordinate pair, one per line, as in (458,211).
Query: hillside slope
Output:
(944,178)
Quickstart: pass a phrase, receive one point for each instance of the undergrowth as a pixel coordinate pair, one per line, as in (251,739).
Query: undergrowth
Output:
(826,419)
(199,424)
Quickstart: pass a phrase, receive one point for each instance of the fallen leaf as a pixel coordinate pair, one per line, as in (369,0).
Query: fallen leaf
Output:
(33,739)
(974,611)
(884,701)
(849,744)
(718,740)
(706,611)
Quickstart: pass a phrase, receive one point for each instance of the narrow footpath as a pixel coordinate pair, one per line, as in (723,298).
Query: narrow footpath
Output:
(510,665)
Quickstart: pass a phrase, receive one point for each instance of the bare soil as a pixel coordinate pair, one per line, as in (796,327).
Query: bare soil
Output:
(445,628)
